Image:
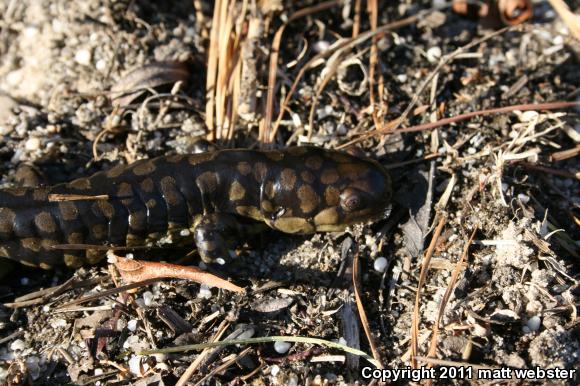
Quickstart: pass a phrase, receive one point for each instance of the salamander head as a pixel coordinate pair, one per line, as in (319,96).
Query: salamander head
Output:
(317,190)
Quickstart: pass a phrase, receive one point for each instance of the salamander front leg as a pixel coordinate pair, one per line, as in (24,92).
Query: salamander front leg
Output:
(215,235)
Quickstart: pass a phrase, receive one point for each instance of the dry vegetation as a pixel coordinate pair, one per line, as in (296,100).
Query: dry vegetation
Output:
(477,264)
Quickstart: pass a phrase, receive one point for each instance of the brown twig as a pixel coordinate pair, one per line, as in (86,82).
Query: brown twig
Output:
(361,310)
(265,135)
(460,266)
(393,125)
(422,278)
(446,121)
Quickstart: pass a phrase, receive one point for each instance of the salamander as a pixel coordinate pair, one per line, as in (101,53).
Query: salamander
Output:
(209,199)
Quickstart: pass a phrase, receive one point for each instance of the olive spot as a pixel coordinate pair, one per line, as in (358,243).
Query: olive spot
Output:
(332,196)
(260,171)
(44,222)
(30,243)
(249,211)
(314,162)
(196,159)
(287,179)
(104,208)
(307,177)
(244,168)
(99,231)
(116,171)
(352,170)
(94,256)
(275,155)
(297,150)
(125,190)
(329,176)
(169,191)
(207,182)
(75,238)
(72,261)
(308,198)
(270,189)
(137,220)
(40,194)
(4,252)
(293,225)
(44,266)
(7,218)
(267,206)
(237,191)
(144,167)
(151,203)
(81,184)
(328,216)
(68,210)
(174,158)
(147,185)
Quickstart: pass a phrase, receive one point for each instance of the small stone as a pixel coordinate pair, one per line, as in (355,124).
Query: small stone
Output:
(274,370)
(99,371)
(380,264)
(433,54)
(282,347)
(523,198)
(534,323)
(147,298)
(32,144)
(204,292)
(83,57)
(132,325)
(101,65)
(136,367)
(18,345)
(24,281)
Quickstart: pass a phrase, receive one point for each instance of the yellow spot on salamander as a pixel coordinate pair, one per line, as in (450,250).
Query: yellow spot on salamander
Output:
(237,191)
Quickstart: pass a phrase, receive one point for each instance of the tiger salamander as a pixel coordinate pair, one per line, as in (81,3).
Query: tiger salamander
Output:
(205,198)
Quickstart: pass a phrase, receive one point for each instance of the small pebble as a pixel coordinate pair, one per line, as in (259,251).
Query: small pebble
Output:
(523,198)
(98,371)
(321,46)
(18,344)
(132,325)
(32,144)
(83,57)
(274,370)
(24,281)
(136,367)
(101,65)
(204,292)
(534,323)
(282,347)
(433,54)
(220,261)
(380,264)
(147,298)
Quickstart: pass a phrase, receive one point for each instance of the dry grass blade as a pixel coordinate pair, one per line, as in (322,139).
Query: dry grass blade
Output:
(265,134)
(462,117)
(348,43)
(186,376)
(76,197)
(212,69)
(269,339)
(136,270)
(422,278)
(149,76)
(460,266)
(361,310)
(393,125)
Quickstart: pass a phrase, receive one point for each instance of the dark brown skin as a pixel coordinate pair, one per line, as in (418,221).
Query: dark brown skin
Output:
(202,198)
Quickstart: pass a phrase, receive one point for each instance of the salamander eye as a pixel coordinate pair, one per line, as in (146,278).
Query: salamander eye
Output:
(351,200)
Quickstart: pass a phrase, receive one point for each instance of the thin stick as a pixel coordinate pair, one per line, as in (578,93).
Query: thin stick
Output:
(361,311)
(422,278)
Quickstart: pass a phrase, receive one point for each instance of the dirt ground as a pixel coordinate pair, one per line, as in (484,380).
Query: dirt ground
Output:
(505,300)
